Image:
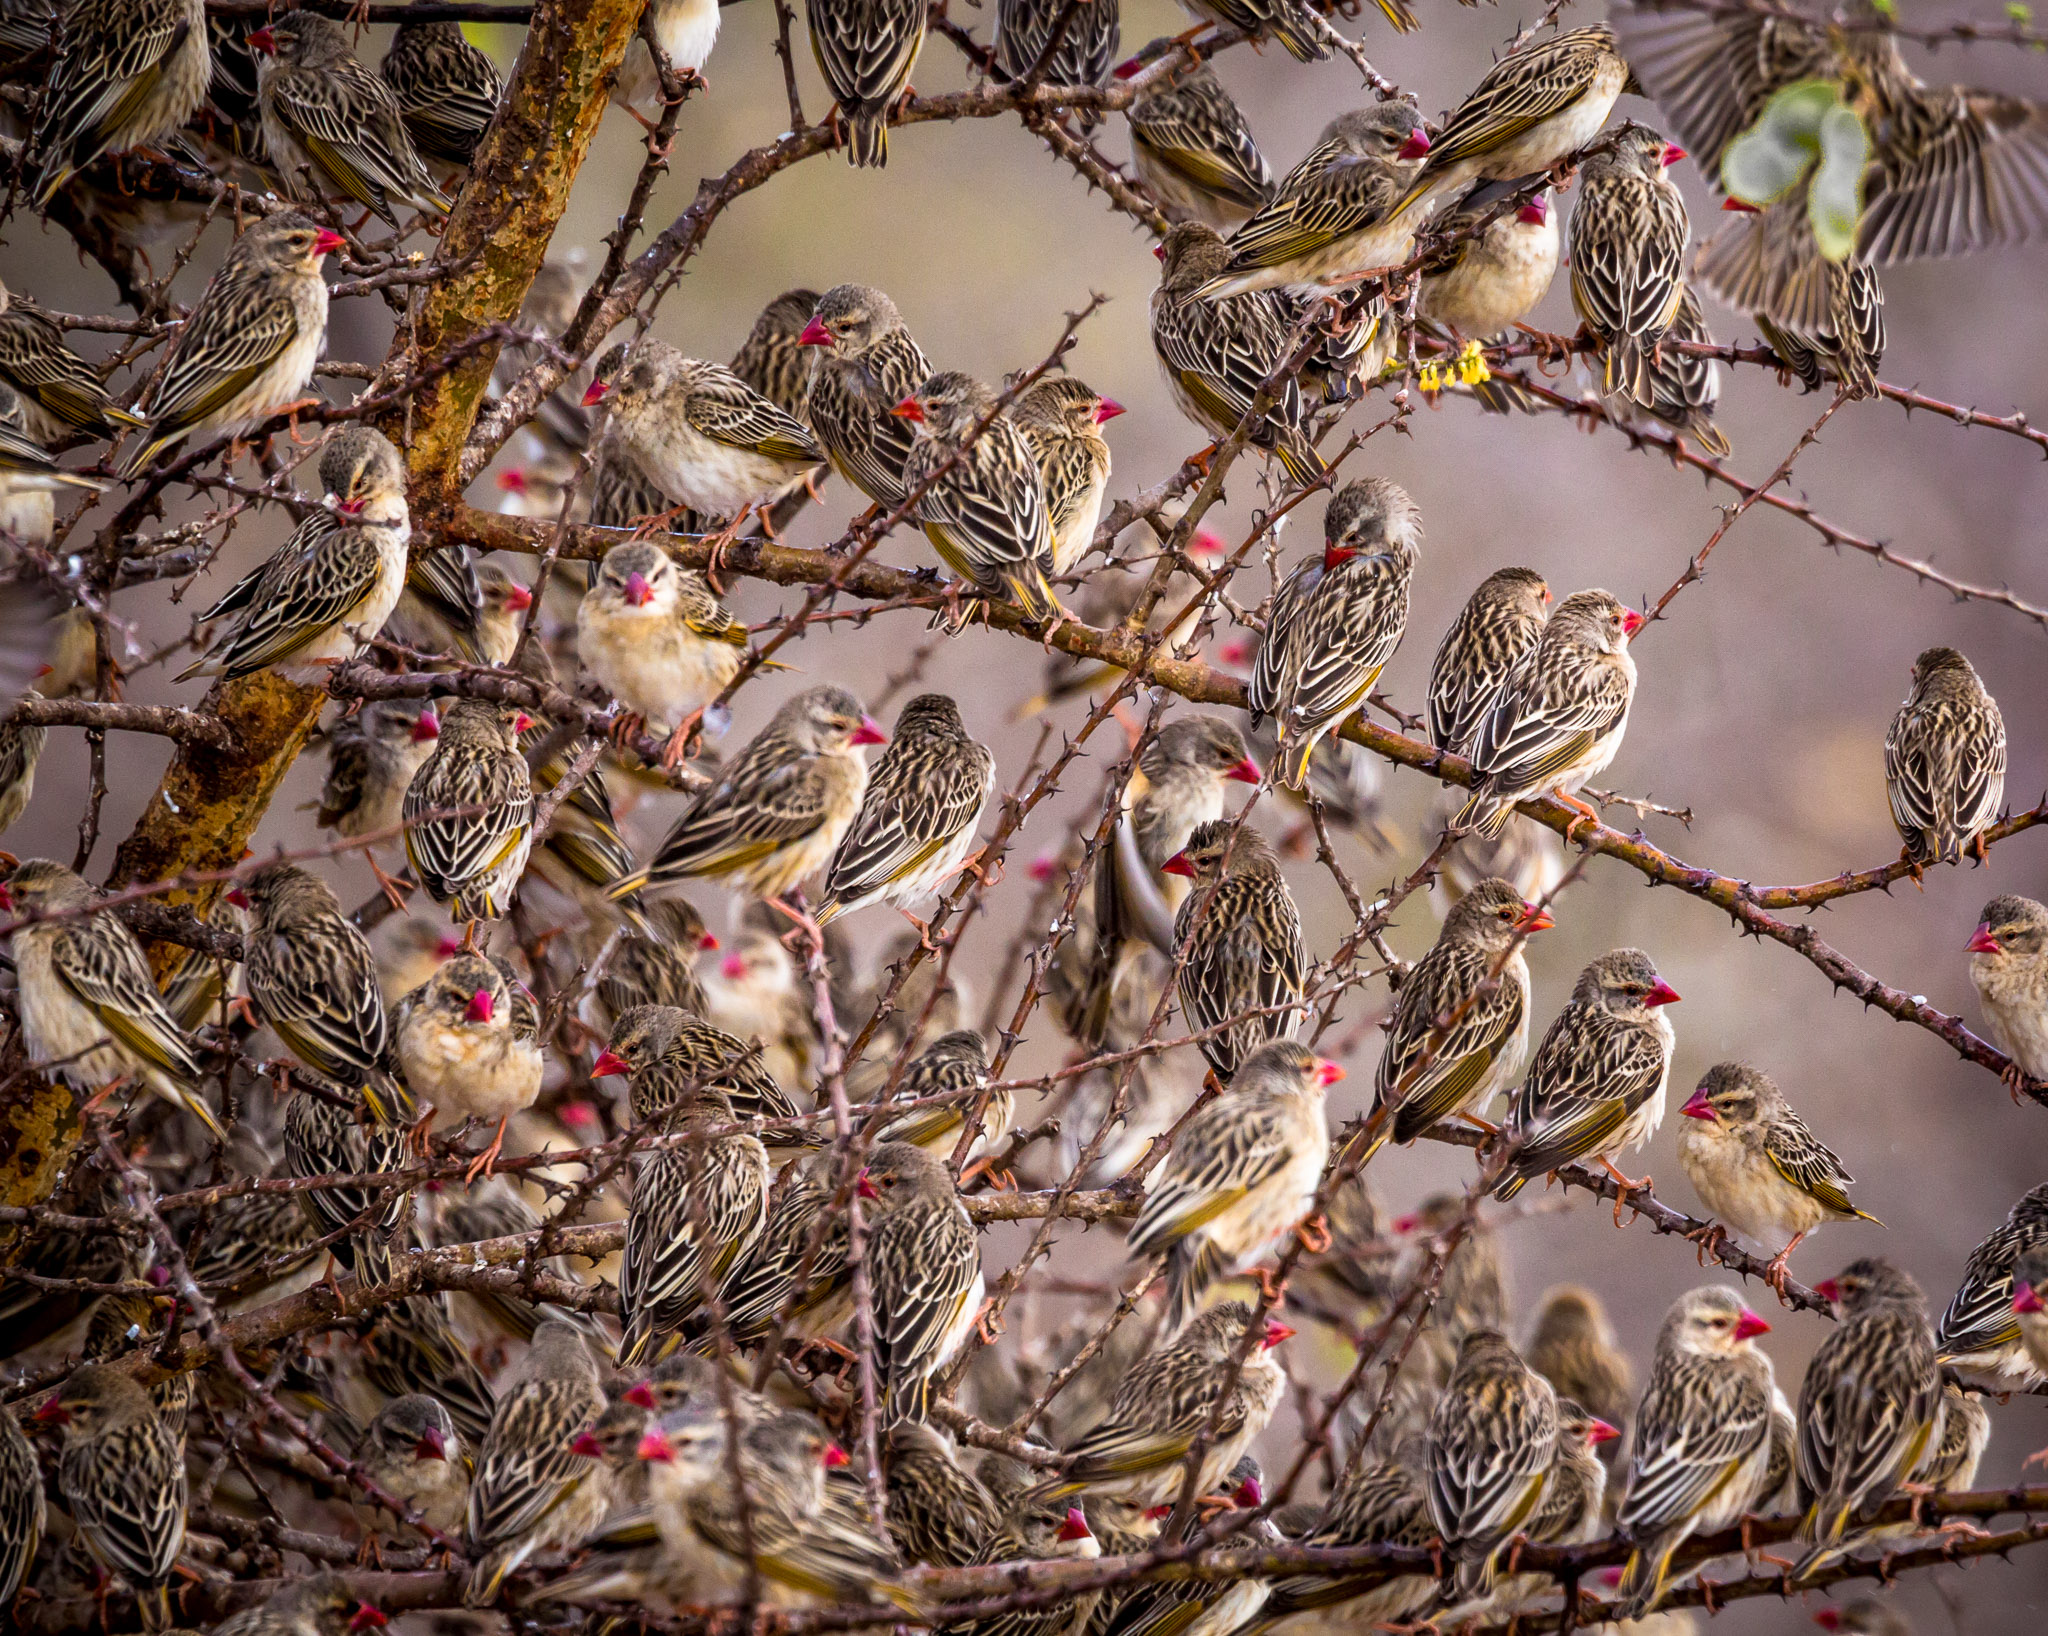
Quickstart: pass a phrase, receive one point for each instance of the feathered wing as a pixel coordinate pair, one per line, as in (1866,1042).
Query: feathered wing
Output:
(237,333)
(1223,1159)
(347,119)
(1271,668)
(1330,195)
(766,802)
(1464,1053)
(527,1467)
(937,1249)
(309,586)
(497,798)
(867,443)
(1591,1073)
(108,64)
(1221,353)
(108,975)
(1219,156)
(905,820)
(1248,955)
(130,1498)
(1867,1411)
(726,410)
(1808,1164)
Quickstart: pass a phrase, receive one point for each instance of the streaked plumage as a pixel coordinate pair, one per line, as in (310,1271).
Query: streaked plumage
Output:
(761,992)
(1978,1332)
(460,1044)
(668,1053)
(1493,278)
(1595,1090)
(1950,1463)
(1493,637)
(471,863)
(23,1512)
(412,1347)
(332,126)
(30,481)
(58,391)
(1336,621)
(248,349)
(1492,1437)
(865,51)
(126,74)
(924,1277)
(2009,968)
(1559,719)
(2030,1305)
(1870,1407)
(1944,761)
(1571,1344)
(954,1065)
(1031,1532)
(1628,241)
(416,1454)
(1685,389)
(1060,418)
(446,89)
(325,1137)
(866,362)
(1084,56)
(88,1007)
(939,1512)
(1848,344)
(21,747)
(1377,1502)
(1287,21)
(1241,1174)
(772,359)
(655,636)
(1195,152)
(371,758)
(583,855)
(1243,940)
(657,968)
(319,1604)
(1215,355)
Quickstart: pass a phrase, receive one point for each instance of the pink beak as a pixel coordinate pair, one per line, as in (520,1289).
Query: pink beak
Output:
(834,1457)
(866,1187)
(1178,865)
(1749,1326)
(1129,70)
(588,1446)
(909,409)
(1600,1432)
(706,943)
(368,1618)
(641,1396)
(868,732)
(1404,1225)
(325,243)
(1276,1332)
(53,1413)
(431,1446)
(655,1446)
(349,508)
(607,1064)
(1246,771)
(521,722)
(518,598)
(427,727)
(1206,544)
(264,41)
(1334,554)
(1107,409)
(638,591)
(1828,1618)
(1535,919)
(1662,994)
(1631,621)
(480,1006)
(1075,1527)
(1697,1106)
(733,966)
(576,1115)
(238,897)
(593,394)
(1751,210)
(1249,1495)
(1981,940)
(448,948)
(512,480)
(1828,1290)
(1234,653)
(2025,1300)
(1416,145)
(1158,252)
(1672,154)
(1328,1072)
(1536,212)
(815,335)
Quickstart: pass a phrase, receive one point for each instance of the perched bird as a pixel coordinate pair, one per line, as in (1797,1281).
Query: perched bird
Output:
(657,967)
(1033,1532)
(318,1604)
(471,859)
(917,820)
(1978,1333)
(696,1210)
(58,391)
(924,1277)
(779,808)
(865,51)
(686,30)
(772,359)
(247,351)
(1083,55)
(334,1138)
(1287,21)
(1492,1438)
(939,1512)
(1525,854)
(711,441)
(1241,1174)
(1944,762)
(371,758)
(495,1208)
(416,1455)
(1492,638)
(126,73)
(867,363)
(669,1055)
(658,640)
(1243,946)
(90,1012)
(1951,1462)
(2011,978)
(1571,1344)
(23,1512)
(1596,1087)
(1870,1407)
(1167,1399)
(1460,1029)
(1849,345)
(122,1476)
(1330,217)
(413,1347)
(1559,719)
(314,981)
(1193,148)
(2029,1306)
(1531,110)
(1628,240)
(1376,1502)
(1701,1448)
(330,125)
(1492,277)
(1754,1163)
(446,89)
(1574,1493)
(984,503)
(761,992)
(1216,355)
(1060,418)
(21,747)
(1337,621)
(459,1042)
(1685,388)
(534,1488)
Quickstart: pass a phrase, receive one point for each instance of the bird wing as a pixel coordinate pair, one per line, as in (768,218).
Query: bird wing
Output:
(1956,171)
(1467,1047)
(1533,734)
(936,1250)
(106,67)
(34,358)
(444,577)
(865,52)
(449,851)
(332,1018)
(764,804)
(527,1467)
(309,586)
(1590,1074)
(1272,666)
(1979,772)
(1220,158)
(1518,93)
(347,120)
(1222,351)
(1867,1406)
(1979,1316)
(1249,954)
(224,346)
(907,816)
(1486,1469)
(1346,635)
(1628,256)
(726,410)
(992,503)
(130,1498)
(1221,1156)
(1909,774)
(1694,1430)
(101,965)
(1331,194)
(1807,1163)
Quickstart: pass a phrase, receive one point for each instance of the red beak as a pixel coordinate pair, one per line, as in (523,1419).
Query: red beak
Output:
(6,897)
(641,1396)
(909,409)
(512,480)
(1631,622)
(834,1457)
(238,897)
(1129,70)
(1416,145)
(1107,409)
(428,726)
(1246,771)
(1697,1106)
(480,1006)
(815,335)
(1334,554)
(588,1446)
(1276,1332)
(326,242)
(866,1187)
(1672,154)
(1662,994)
(706,943)
(349,508)
(1600,1432)
(1749,1326)
(1178,865)
(518,598)
(1249,1496)
(1328,1072)
(1205,544)
(1158,252)
(1536,212)
(593,394)
(367,1618)
(1158,1513)
(1404,1225)
(1534,919)
(1751,210)
(431,1446)
(608,1063)
(638,591)
(1828,1290)
(1981,940)
(1828,1618)
(2025,1300)
(264,41)
(1075,1527)
(733,967)
(448,948)
(53,1413)
(868,732)
(655,1446)
(576,1115)
(521,722)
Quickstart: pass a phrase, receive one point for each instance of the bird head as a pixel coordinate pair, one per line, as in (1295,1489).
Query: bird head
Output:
(1276,1332)
(431,1446)
(641,1395)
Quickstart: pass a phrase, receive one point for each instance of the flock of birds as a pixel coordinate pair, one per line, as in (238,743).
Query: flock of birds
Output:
(618,1445)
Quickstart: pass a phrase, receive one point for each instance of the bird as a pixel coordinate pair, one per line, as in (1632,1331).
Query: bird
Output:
(865,51)
(247,351)
(1192,147)
(923,1266)
(1848,341)
(1757,1167)
(777,811)
(411,1346)
(918,817)
(1951,1463)
(331,126)
(1952,170)
(1574,1493)
(1138,1452)
(983,503)
(495,1208)
(1033,1532)
(447,90)
(1287,21)
(1628,240)
(90,1012)
(458,1040)
(313,979)
(668,1054)
(772,359)
(1460,1029)
(1870,1407)
(1061,418)
(1375,1502)
(23,1512)
(126,74)
(939,1512)
(415,1453)
(657,967)
(705,436)
(1493,637)
(1532,110)
(1944,762)
(1560,719)
(583,854)
(2029,1306)
(867,363)
(372,755)
(1977,1334)
(336,1134)
(1215,355)
(1243,963)
(318,1604)
(686,30)
(1084,53)
(121,1473)
(1337,621)
(534,1489)
(1329,219)
(1571,1344)
(1595,1089)
(1241,1174)
(1685,388)
(696,1209)
(469,811)
(1701,1448)
(21,747)
(761,991)
(2011,980)
(658,640)
(1491,1440)
(34,624)
(58,391)
(1490,278)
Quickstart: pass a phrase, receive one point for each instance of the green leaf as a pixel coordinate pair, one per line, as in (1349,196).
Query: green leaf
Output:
(2019,13)
(1768,160)
(1887,8)
(1834,204)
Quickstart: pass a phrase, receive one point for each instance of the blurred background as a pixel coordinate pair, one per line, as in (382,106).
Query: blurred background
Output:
(1763,702)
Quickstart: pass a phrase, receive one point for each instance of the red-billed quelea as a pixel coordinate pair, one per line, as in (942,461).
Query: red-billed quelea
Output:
(686,30)
(126,73)
(1245,962)
(447,90)
(1944,762)
(1241,1174)
(865,51)
(1492,277)
(1376,1502)
(1979,1333)
(58,391)
(1493,637)
(924,1276)
(955,1066)
(469,811)
(1492,1438)
(1061,419)
(318,1604)
(668,1053)
(1288,21)
(866,363)
(459,1043)
(1193,148)
(2009,966)
(23,1512)
(939,1512)
(416,1454)
(1628,241)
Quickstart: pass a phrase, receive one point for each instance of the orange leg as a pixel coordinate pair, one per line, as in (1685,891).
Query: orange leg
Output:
(489,1157)
(1775,1273)
(1314,1234)
(395,889)
(1627,1187)
(676,751)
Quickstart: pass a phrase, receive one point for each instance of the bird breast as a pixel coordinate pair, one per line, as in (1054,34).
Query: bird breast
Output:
(56,1026)
(1498,282)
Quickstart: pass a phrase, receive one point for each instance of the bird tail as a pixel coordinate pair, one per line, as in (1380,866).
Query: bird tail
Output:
(390,1099)
(1299,35)
(490,1572)
(626,885)
(635,1342)
(154,1603)
(195,1104)
(1192,1266)
(1294,759)
(1509,1186)
(1503,394)
(1628,370)
(1643,1580)
(1404,20)
(867,134)
(1298,455)
(1033,594)
(828,911)
(1484,813)
(148,452)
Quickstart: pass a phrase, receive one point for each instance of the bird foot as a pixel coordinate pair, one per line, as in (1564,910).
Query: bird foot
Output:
(988,1323)
(1200,459)
(1486,1125)
(677,750)
(291,415)
(1626,1187)
(484,1161)
(804,923)
(980,865)
(1708,1240)
(1272,1287)
(1003,1181)
(626,727)
(2038,1457)
(924,932)
(1314,1233)
(395,889)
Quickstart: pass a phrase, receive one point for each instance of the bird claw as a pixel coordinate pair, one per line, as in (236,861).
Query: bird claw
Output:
(1708,1239)
(482,1164)
(1625,1188)
(924,932)
(988,1323)
(1314,1234)
(1271,1287)
(979,866)
(626,726)
(677,750)
(396,890)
